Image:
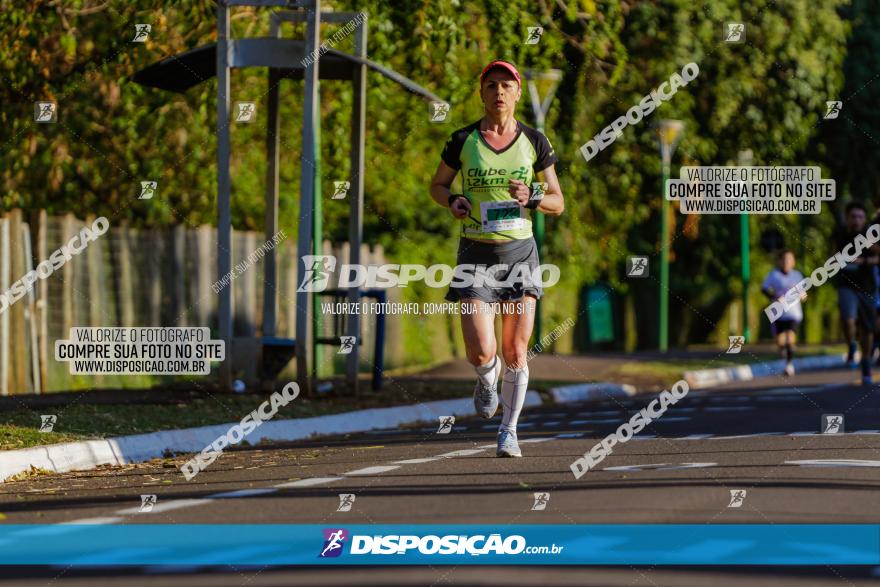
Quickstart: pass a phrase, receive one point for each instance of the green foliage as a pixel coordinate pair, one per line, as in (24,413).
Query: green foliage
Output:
(767,94)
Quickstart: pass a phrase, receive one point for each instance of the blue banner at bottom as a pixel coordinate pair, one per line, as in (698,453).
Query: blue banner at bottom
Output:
(426,544)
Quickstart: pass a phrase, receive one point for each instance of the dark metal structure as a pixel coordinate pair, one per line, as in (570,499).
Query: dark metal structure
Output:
(286,59)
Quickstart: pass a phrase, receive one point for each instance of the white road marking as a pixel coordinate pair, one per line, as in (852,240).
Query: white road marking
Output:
(534,440)
(310,482)
(644,437)
(165,506)
(865,432)
(695,437)
(661,467)
(373,470)
(466,452)
(418,461)
(834,463)
(93,521)
(571,435)
(242,493)
(602,421)
(552,423)
(802,433)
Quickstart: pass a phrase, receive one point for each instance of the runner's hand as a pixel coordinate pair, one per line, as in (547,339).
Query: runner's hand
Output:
(519,191)
(460,208)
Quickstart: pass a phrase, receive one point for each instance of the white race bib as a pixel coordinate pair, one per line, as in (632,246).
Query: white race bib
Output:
(501,215)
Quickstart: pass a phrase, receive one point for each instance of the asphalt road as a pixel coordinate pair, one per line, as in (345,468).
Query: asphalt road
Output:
(762,438)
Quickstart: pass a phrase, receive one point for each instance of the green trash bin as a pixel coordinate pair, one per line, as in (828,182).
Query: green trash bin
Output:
(598,302)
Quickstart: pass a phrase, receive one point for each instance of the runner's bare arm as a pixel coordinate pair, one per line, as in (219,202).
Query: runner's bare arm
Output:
(440,191)
(553,203)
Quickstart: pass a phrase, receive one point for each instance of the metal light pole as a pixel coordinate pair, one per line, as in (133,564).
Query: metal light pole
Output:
(540,107)
(745,158)
(669,133)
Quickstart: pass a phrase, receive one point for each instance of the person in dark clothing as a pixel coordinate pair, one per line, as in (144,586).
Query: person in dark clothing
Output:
(856,289)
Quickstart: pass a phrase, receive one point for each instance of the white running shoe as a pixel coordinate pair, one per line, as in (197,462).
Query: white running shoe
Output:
(789,369)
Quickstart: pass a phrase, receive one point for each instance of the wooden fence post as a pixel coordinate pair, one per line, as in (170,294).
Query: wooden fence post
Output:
(18,338)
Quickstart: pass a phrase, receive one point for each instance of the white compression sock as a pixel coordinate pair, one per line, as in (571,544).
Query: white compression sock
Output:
(513,395)
(488,372)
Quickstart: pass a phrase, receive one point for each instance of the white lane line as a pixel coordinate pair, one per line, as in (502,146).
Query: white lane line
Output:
(695,437)
(802,433)
(534,440)
(644,437)
(834,463)
(465,452)
(748,435)
(165,506)
(372,470)
(417,461)
(493,445)
(661,467)
(866,432)
(552,423)
(594,421)
(570,435)
(491,426)
(242,493)
(93,521)
(309,482)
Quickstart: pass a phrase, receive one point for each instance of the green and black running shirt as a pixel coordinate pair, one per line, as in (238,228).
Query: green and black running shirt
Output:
(485,173)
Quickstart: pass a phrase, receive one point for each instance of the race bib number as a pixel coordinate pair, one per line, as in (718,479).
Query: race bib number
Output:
(501,215)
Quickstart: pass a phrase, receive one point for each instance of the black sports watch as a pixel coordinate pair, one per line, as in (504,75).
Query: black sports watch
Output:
(534,200)
(453,197)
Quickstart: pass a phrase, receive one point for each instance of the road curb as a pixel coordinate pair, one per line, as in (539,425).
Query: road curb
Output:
(711,377)
(568,394)
(88,454)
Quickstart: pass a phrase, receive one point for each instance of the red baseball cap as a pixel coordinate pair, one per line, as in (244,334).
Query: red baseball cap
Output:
(503,65)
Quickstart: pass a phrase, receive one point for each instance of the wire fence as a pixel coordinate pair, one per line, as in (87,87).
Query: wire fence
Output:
(133,277)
